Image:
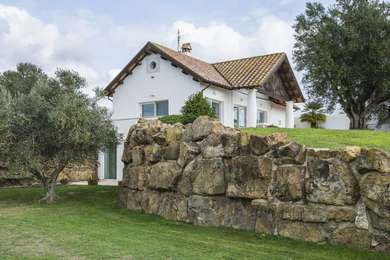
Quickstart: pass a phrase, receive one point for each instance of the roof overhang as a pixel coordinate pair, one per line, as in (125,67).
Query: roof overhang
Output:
(148,49)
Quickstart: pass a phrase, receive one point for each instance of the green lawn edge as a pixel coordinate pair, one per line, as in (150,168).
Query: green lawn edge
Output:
(88,223)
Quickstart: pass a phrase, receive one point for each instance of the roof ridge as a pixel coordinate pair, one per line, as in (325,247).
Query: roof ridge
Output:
(251,57)
(165,49)
(189,56)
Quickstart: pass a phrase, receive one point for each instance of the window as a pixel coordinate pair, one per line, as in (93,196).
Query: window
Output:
(261,117)
(153,66)
(162,108)
(239,116)
(216,106)
(156,108)
(110,163)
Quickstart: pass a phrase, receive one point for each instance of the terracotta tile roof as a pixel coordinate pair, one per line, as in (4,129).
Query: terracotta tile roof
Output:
(249,72)
(203,69)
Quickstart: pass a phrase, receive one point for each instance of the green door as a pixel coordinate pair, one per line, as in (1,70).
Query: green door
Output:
(110,163)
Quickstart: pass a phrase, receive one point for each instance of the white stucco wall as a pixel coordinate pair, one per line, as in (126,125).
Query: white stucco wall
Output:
(337,121)
(169,83)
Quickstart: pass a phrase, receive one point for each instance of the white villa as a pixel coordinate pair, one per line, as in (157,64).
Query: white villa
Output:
(248,92)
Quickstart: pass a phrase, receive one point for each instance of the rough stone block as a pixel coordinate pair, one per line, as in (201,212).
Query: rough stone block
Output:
(249,177)
(188,152)
(137,155)
(288,183)
(291,153)
(240,215)
(331,182)
(373,160)
(204,177)
(174,133)
(152,153)
(311,232)
(203,126)
(136,177)
(207,211)
(164,175)
(352,236)
(172,151)
(134,199)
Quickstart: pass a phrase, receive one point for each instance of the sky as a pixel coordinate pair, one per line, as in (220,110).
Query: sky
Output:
(97,38)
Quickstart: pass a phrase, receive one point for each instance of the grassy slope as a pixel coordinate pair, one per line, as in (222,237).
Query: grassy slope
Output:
(324,138)
(87,222)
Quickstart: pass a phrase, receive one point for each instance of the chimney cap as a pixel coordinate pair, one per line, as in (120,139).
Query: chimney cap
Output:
(186,47)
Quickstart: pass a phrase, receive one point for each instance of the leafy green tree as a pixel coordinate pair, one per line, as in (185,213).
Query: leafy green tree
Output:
(47,123)
(313,114)
(344,53)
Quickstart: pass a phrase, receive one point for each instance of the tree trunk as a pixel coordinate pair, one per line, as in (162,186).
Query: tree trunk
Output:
(51,196)
(358,121)
(49,185)
(357,117)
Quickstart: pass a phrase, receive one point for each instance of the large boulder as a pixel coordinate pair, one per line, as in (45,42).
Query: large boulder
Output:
(135,177)
(249,177)
(207,211)
(173,206)
(174,133)
(311,232)
(240,214)
(375,191)
(203,177)
(151,201)
(351,235)
(134,199)
(260,145)
(126,156)
(137,155)
(188,151)
(331,182)
(164,175)
(291,153)
(213,151)
(230,141)
(288,183)
(171,151)
(373,160)
(204,126)
(152,153)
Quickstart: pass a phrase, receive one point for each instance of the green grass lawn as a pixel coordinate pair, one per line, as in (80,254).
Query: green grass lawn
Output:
(325,138)
(88,223)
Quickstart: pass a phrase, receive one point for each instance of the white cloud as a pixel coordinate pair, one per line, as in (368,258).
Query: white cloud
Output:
(97,47)
(81,41)
(219,41)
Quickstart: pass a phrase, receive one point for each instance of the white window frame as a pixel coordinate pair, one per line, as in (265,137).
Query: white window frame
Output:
(265,117)
(210,100)
(155,108)
(245,117)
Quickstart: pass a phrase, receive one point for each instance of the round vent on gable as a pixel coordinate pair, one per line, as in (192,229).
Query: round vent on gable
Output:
(153,66)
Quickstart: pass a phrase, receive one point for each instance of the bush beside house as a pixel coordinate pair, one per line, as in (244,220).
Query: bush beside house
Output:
(196,105)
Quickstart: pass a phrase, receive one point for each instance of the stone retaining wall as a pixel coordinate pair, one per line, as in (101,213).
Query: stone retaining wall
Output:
(207,174)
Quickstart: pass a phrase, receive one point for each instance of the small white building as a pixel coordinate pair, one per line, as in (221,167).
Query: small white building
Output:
(246,92)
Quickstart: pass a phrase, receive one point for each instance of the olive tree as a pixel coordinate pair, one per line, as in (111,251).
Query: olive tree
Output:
(48,123)
(344,53)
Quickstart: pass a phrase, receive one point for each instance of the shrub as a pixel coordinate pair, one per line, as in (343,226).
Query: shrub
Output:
(172,119)
(196,106)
